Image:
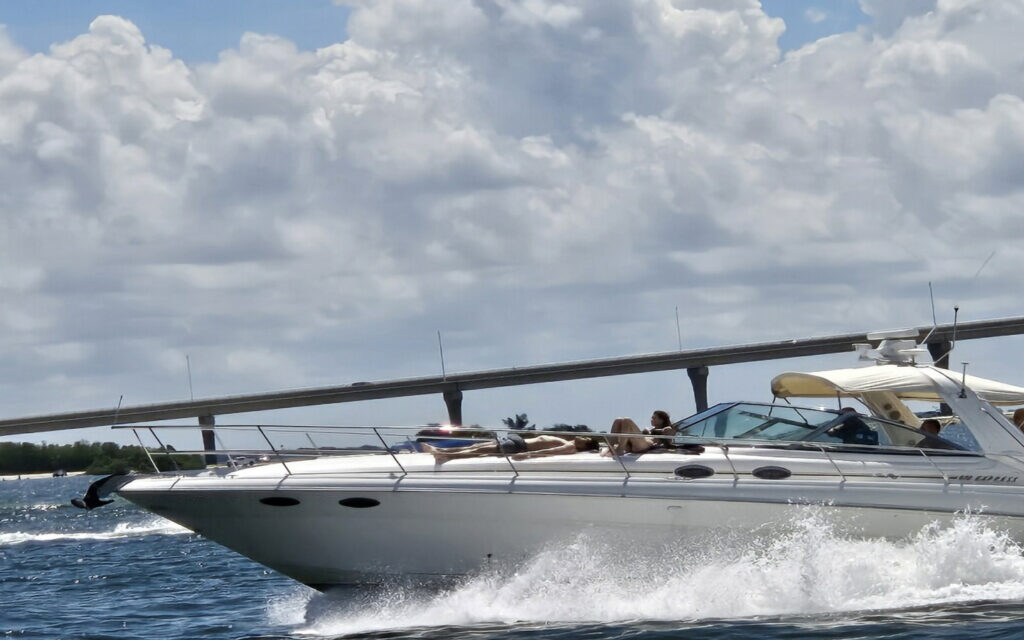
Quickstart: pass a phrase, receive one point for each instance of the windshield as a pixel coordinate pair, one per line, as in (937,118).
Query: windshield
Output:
(751,421)
(758,421)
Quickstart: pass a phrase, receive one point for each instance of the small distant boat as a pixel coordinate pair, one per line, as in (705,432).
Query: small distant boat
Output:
(60,473)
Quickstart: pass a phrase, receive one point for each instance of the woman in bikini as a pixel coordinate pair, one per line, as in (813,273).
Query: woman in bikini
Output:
(633,440)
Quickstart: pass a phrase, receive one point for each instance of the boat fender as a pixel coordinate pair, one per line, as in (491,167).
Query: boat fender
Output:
(279,501)
(359,503)
(694,471)
(772,473)
(97,491)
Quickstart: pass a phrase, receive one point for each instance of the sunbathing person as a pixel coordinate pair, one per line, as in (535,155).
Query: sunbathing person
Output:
(516,446)
(633,440)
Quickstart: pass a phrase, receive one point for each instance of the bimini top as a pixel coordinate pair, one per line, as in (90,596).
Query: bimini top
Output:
(907,383)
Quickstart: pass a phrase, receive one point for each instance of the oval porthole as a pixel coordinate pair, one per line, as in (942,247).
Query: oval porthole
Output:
(694,471)
(772,473)
(279,501)
(359,503)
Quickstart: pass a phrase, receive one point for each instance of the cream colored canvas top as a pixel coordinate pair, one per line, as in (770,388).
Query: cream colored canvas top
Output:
(906,382)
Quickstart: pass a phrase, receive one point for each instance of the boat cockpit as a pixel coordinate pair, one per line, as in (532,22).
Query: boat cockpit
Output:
(776,424)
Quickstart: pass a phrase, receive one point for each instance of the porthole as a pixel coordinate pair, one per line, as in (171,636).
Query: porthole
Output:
(279,501)
(772,473)
(694,471)
(359,503)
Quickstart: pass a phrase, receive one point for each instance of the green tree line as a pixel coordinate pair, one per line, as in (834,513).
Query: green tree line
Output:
(90,457)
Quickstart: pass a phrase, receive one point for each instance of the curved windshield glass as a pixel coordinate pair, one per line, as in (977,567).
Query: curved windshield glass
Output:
(755,421)
(751,421)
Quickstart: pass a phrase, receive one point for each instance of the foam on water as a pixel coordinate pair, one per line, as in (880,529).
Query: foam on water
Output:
(155,525)
(806,570)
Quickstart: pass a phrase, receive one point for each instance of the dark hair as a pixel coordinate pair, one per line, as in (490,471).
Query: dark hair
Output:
(663,416)
(586,444)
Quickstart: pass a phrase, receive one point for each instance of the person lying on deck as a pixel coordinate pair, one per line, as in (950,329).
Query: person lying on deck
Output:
(632,440)
(516,446)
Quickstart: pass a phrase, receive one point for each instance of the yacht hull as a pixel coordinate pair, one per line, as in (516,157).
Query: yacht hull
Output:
(324,530)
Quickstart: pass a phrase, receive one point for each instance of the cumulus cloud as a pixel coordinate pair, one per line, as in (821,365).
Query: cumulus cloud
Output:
(815,15)
(539,180)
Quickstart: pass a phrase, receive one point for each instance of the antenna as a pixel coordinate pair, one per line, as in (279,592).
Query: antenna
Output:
(679,334)
(118,409)
(188,367)
(931,295)
(983,264)
(440,347)
(963,381)
(935,322)
(956,314)
(956,308)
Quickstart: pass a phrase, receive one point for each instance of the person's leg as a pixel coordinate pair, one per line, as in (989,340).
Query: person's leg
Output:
(628,444)
(639,444)
(479,449)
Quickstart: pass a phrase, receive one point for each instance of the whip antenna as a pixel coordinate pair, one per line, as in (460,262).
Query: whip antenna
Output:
(679,334)
(118,409)
(440,347)
(956,314)
(935,322)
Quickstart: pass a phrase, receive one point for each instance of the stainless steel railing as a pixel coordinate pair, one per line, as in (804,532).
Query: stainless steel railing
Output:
(393,440)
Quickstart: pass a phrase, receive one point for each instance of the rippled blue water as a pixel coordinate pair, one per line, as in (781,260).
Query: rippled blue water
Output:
(118,572)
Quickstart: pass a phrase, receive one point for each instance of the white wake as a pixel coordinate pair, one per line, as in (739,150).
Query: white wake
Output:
(152,526)
(809,570)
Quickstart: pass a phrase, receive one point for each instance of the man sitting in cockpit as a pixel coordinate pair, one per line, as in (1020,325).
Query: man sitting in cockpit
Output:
(853,430)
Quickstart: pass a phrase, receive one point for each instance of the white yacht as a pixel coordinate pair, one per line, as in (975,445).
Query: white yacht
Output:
(324,518)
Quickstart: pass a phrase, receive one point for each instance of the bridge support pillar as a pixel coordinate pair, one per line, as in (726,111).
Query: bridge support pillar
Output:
(209,442)
(699,381)
(453,400)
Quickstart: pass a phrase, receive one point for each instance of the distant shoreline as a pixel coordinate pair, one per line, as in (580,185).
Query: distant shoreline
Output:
(35,476)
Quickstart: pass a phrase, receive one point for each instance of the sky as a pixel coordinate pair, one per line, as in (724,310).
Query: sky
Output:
(279,195)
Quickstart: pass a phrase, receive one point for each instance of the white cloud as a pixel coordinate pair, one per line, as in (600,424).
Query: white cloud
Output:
(815,15)
(539,180)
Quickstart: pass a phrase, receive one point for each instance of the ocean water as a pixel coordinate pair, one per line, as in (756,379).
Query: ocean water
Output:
(118,572)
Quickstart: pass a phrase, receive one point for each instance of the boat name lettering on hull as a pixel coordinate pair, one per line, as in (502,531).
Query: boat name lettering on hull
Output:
(962,478)
(970,478)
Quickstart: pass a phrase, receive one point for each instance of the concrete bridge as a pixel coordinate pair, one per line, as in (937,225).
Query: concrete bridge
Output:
(451,387)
